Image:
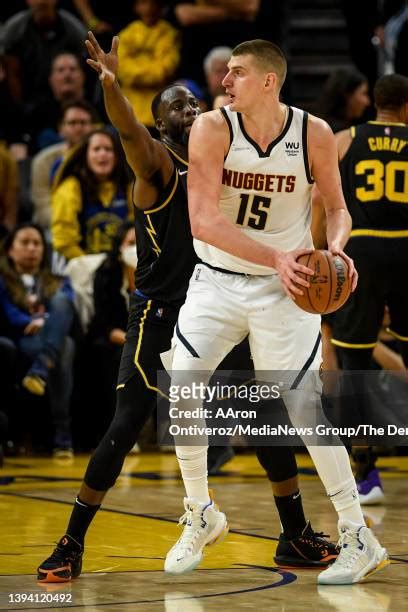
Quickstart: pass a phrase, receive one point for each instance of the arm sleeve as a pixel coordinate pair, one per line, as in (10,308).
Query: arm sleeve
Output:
(66,204)
(148,62)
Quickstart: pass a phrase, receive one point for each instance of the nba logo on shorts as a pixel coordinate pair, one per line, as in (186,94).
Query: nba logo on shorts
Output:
(159,313)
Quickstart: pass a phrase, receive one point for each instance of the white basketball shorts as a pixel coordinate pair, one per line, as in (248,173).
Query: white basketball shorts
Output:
(221,309)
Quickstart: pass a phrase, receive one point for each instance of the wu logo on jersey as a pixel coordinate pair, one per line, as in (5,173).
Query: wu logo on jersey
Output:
(292,148)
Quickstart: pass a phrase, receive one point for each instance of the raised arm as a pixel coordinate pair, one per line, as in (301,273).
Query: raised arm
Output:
(325,169)
(144,154)
(208,144)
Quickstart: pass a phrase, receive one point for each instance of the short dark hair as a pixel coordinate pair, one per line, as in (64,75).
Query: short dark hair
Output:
(83,105)
(268,55)
(391,91)
(158,99)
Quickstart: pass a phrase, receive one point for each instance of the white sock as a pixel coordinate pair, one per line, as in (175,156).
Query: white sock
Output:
(331,462)
(333,466)
(193,465)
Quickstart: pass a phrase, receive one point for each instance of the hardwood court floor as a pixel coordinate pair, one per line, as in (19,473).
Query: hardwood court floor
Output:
(128,541)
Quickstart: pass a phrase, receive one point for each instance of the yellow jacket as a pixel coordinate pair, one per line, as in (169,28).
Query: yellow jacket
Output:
(72,235)
(148,58)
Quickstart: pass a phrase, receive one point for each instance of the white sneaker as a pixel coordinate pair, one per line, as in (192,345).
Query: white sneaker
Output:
(204,525)
(360,555)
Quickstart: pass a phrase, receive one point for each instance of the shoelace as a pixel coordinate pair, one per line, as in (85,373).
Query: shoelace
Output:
(348,554)
(61,554)
(314,539)
(191,531)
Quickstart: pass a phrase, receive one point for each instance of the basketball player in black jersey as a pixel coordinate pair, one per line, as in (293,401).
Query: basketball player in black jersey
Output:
(166,260)
(374,172)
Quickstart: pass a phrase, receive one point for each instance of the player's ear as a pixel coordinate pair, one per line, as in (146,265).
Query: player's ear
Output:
(159,124)
(270,80)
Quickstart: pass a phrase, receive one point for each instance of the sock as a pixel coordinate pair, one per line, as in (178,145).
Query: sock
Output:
(346,502)
(364,460)
(291,514)
(331,462)
(81,517)
(334,469)
(193,465)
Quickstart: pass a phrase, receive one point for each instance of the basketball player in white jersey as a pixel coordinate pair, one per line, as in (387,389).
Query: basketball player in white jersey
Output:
(252,167)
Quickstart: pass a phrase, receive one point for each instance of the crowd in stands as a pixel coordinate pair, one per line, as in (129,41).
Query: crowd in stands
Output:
(67,255)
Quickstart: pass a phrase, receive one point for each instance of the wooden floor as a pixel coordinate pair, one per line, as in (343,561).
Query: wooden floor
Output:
(126,546)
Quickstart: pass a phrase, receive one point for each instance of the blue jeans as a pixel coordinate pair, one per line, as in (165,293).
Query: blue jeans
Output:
(54,343)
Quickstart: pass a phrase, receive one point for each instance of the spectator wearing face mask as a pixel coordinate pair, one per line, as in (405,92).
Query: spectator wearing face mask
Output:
(38,306)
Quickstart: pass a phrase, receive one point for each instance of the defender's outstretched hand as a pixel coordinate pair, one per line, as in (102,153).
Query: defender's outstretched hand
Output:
(105,64)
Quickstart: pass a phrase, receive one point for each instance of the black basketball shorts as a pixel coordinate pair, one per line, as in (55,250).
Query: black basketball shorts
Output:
(382,265)
(149,333)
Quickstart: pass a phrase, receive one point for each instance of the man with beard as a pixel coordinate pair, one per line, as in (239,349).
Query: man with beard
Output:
(166,259)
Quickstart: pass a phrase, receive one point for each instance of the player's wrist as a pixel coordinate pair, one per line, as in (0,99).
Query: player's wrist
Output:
(275,257)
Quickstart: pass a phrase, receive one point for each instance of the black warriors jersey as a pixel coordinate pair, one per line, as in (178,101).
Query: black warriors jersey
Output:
(166,257)
(374,175)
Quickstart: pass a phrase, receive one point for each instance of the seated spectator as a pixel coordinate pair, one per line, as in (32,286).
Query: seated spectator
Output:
(148,57)
(113,283)
(77,120)
(32,39)
(39,308)
(42,116)
(215,69)
(8,192)
(344,99)
(91,197)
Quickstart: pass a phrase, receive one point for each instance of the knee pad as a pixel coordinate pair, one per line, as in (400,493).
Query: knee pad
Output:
(279,462)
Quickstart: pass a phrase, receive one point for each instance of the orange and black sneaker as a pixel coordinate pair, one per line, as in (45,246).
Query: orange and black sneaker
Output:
(64,564)
(308,550)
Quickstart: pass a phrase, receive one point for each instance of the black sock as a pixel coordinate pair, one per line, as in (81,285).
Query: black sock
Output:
(291,514)
(81,517)
(364,460)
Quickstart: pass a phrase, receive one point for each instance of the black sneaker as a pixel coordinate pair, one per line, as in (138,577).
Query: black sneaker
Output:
(310,549)
(64,564)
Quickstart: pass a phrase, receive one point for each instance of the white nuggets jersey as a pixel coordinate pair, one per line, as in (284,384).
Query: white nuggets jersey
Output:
(266,194)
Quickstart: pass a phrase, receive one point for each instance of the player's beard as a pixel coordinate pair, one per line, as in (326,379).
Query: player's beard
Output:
(178,134)
(184,137)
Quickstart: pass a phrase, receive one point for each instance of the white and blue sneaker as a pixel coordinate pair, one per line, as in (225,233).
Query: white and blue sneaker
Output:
(204,525)
(360,556)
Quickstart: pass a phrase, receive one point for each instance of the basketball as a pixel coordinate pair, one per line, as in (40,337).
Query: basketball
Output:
(330,285)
